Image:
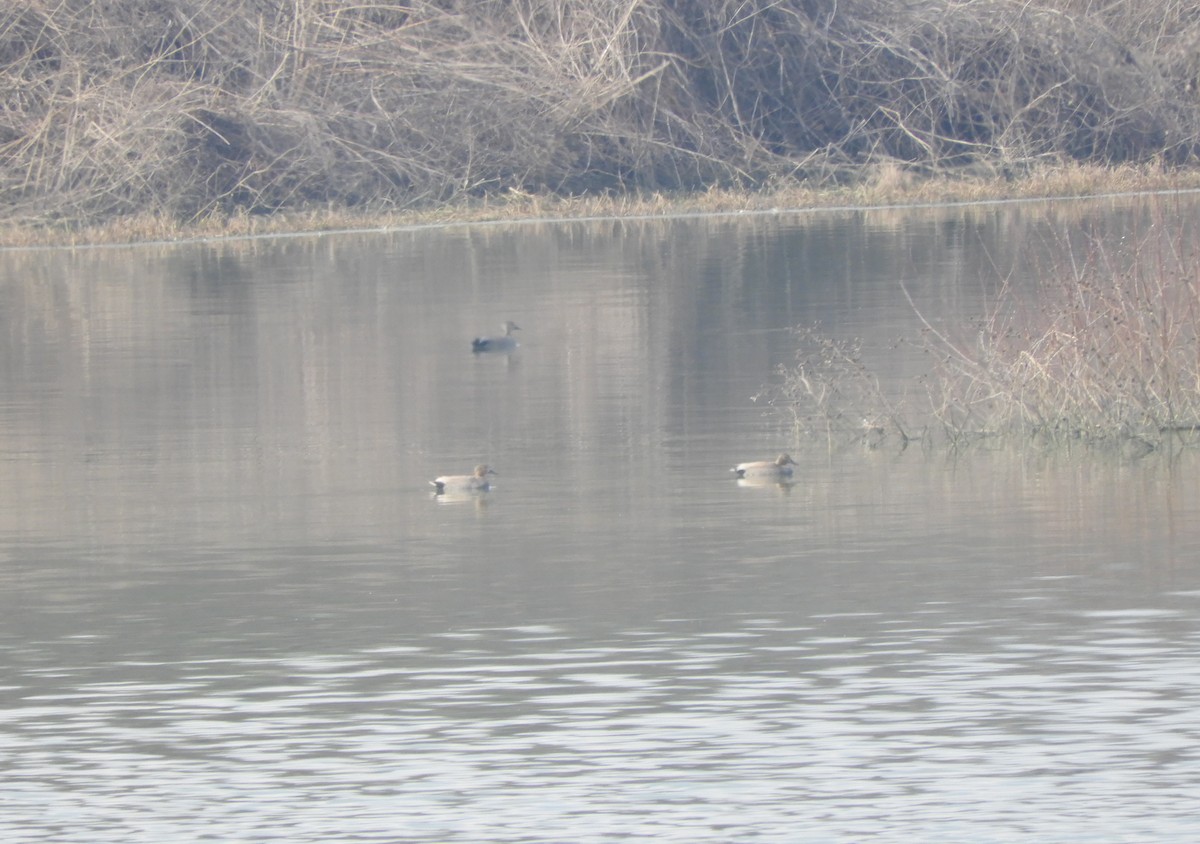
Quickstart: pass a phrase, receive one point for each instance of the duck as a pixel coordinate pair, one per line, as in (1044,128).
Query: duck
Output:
(477,481)
(779,469)
(497,344)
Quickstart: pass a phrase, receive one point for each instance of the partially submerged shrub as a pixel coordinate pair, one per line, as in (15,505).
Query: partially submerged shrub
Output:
(1104,350)
(830,393)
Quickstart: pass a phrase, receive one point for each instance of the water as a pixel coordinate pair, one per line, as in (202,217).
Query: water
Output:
(231,610)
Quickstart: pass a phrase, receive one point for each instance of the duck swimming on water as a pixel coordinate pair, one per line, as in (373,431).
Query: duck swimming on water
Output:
(477,481)
(779,469)
(505,343)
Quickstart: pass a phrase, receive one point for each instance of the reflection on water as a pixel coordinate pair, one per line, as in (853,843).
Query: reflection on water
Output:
(232,608)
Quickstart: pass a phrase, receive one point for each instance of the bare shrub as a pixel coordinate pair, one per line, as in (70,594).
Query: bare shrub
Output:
(1103,349)
(1110,352)
(831,394)
(190,108)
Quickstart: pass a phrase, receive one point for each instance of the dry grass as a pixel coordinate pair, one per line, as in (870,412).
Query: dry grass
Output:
(885,186)
(1105,350)
(831,396)
(162,116)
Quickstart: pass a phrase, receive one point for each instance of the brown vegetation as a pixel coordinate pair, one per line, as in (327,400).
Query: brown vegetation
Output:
(194,110)
(1108,351)
(1103,350)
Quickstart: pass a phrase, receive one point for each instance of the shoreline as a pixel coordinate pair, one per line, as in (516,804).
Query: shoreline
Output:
(888,188)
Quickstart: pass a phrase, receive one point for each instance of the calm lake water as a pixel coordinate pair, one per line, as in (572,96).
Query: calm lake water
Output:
(231,609)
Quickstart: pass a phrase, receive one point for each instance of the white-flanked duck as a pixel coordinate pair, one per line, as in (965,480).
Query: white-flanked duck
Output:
(477,481)
(505,343)
(779,469)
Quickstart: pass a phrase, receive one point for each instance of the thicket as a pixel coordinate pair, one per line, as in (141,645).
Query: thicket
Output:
(1103,348)
(189,108)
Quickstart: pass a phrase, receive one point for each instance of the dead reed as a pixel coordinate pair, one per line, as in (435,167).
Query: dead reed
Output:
(193,111)
(830,395)
(1105,350)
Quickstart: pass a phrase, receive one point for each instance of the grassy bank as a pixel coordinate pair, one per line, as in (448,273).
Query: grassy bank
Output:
(168,118)
(886,186)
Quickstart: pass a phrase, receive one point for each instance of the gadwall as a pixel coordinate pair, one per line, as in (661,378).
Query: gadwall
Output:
(477,481)
(780,468)
(497,344)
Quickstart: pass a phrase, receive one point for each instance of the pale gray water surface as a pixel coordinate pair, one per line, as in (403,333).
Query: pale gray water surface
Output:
(232,610)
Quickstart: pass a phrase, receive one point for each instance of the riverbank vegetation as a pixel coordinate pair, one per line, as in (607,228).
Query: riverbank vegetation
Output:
(163,118)
(1102,348)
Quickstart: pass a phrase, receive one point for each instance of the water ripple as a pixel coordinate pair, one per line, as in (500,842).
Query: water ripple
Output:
(938,734)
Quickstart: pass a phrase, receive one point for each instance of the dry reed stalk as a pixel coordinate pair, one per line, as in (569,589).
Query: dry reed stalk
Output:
(829,394)
(190,108)
(1110,351)
(1104,350)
